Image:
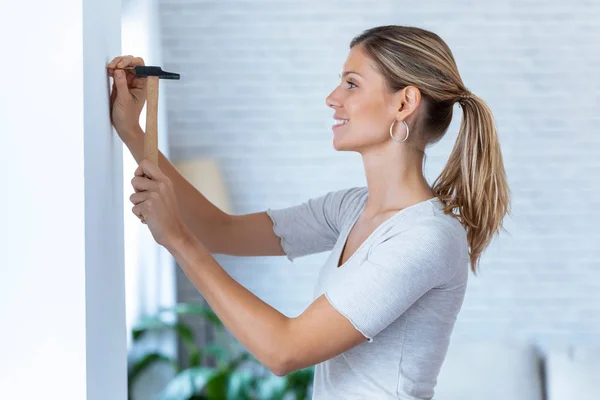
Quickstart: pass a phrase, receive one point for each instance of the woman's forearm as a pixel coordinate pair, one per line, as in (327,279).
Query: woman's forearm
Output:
(259,327)
(205,220)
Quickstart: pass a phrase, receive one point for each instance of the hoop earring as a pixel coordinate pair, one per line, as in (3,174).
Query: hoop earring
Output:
(392,134)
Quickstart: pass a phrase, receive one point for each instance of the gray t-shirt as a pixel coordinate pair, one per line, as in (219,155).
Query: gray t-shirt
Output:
(402,289)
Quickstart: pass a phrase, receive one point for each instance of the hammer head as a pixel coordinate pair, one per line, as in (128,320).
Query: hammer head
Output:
(144,71)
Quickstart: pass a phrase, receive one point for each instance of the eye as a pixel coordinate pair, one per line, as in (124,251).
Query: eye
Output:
(351,83)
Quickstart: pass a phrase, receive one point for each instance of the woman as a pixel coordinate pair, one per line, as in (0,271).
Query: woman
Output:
(388,296)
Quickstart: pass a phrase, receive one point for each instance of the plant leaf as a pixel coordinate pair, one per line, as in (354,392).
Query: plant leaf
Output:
(195,309)
(235,363)
(188,383)
(272,387)
(219,352)
(216,387)
(239,385)
(143,364)
(298,382)
(300,378)
(186,334)
(146,325)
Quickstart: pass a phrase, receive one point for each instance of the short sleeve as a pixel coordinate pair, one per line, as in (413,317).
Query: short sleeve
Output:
(395,274)
(313,226)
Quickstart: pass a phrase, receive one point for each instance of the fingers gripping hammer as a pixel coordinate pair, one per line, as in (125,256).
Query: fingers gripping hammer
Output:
(153,74)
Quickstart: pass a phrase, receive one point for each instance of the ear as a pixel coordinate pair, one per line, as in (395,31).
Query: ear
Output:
(407,101)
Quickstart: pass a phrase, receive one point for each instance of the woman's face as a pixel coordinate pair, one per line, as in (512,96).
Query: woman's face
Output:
(363,100)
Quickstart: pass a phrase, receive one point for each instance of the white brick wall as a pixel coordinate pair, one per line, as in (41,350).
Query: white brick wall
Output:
(255,75)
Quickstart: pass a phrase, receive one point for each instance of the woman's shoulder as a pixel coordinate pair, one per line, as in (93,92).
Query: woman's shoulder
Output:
(439,241)
(432,215)
(351,199)
(355,195)
(428,223)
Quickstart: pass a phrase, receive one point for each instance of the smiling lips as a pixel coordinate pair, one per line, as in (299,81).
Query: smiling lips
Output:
(339,122)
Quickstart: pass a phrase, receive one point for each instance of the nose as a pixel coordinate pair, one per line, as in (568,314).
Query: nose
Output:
(331,100)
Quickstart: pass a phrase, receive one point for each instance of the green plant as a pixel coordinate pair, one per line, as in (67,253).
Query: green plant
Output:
(226,381)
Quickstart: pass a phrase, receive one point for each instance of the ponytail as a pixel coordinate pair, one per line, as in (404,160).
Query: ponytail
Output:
(473,183)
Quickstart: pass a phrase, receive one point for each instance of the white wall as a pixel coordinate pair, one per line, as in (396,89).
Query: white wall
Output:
(62,305)
(257,74)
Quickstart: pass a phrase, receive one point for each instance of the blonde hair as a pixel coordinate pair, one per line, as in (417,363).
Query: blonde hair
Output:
(473,183)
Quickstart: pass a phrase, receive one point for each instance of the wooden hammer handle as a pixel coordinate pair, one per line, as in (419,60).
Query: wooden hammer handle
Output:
(151,137)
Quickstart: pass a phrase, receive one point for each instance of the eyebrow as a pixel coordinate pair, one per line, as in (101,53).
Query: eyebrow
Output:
(349,72)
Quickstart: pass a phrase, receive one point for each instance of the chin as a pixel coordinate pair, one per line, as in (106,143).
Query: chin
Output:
(340,145)
(350,141)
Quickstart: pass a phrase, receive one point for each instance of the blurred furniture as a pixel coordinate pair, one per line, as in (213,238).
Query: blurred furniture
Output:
(501,370)
(573,374)
(490,371)
(205,176)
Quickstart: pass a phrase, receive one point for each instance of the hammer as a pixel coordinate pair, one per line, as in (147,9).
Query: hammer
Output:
(153,73)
